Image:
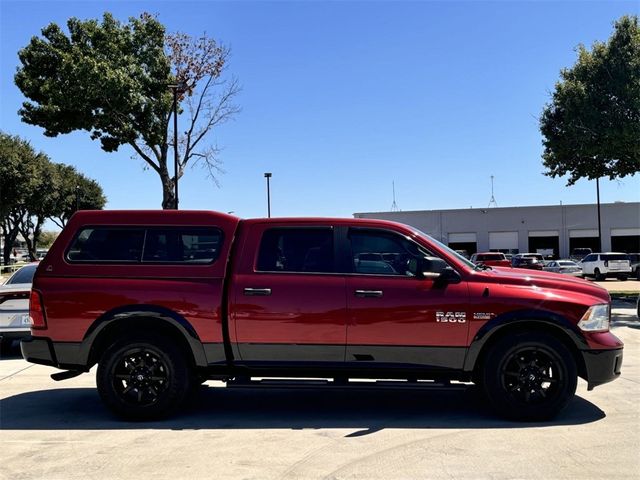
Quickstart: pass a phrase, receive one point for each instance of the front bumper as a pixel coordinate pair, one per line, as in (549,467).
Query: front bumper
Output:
(602,366)
(64,355)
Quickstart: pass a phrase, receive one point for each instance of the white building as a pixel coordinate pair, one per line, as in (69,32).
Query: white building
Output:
(556,228)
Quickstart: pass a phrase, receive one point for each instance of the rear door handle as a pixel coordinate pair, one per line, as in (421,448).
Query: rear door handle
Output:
(255,292)
(368,293)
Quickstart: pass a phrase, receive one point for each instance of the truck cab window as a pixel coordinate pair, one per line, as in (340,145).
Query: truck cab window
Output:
(297,250)
(383,253)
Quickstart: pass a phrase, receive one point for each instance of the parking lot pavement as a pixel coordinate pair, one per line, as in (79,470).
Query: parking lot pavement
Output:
(615,285)
(59,430)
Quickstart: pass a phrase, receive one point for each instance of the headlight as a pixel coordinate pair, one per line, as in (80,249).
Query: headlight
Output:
(595,319)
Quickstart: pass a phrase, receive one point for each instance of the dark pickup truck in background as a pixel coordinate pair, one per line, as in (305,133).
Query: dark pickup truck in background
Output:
(163,300)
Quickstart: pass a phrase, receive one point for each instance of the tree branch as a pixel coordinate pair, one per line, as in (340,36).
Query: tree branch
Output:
(145,157)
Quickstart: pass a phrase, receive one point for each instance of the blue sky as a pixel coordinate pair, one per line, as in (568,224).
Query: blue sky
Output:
(340,99)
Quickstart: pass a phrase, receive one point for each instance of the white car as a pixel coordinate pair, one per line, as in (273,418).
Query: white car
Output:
(564,266)
(603,265)
(14,306)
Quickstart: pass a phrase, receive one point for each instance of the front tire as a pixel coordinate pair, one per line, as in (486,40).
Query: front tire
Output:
(143,377)
(530,376)
(599,276)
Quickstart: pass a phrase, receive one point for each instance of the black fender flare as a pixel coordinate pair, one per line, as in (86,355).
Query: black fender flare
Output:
(545,318)
(132,312)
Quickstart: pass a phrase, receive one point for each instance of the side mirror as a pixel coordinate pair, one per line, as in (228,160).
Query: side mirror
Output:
(438,270)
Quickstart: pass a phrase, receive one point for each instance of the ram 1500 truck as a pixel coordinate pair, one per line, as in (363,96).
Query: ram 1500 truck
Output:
(163,300)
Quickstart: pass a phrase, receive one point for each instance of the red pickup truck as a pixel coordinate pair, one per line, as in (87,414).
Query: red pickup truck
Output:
(163,300)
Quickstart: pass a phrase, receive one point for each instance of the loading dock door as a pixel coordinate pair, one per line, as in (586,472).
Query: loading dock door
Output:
(505,242)
(463,241)
(546,242)
(587,238)
(625,240)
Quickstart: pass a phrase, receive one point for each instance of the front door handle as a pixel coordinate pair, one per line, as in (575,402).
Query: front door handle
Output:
(368,293)
(256,292)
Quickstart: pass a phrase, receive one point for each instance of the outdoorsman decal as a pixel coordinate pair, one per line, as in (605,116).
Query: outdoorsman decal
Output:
(483,316)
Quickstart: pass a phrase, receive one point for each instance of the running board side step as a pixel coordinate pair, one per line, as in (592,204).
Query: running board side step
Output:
(344,384)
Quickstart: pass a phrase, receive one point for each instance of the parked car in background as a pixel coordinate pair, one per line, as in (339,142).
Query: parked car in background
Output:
(578,254)
(568,267)
(603,265)
(464,253)
(533,261)
(634,260)
(493,259)
(14,306)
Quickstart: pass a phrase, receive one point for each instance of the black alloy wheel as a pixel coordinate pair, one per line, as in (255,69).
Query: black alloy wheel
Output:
(144,377)
(529,376)
(140,377)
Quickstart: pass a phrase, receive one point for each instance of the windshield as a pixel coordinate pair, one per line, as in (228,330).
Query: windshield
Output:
(451,252)
(567,264)
(24,275)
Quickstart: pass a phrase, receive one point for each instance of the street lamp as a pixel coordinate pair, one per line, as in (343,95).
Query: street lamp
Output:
(177,88)
(599,223)
(268,176)
(77,197)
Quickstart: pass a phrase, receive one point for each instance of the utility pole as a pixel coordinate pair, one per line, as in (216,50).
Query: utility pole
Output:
(268,176)
(394,205)
(492,201)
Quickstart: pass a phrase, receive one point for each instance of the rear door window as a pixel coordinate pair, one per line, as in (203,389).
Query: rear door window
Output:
(297,250)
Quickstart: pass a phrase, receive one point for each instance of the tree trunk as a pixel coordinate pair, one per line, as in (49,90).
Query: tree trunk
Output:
(32,243)
(10,235)
(168,192)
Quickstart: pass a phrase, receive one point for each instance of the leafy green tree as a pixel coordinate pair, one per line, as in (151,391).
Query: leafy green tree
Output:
(591,128)
(18,175)
(75,192)
(112,79)
(39,201)
(33,189)
(47,238)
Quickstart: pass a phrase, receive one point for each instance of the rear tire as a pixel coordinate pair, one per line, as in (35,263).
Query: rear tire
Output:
(529,376)
(6,345)
(143,377)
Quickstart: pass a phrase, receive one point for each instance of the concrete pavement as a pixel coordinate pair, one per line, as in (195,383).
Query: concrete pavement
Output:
(59,430)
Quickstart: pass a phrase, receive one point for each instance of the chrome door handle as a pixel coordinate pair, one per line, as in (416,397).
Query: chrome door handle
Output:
(368,293)
(255,292)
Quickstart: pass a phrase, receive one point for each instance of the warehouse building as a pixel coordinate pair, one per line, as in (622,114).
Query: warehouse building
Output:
(554,230)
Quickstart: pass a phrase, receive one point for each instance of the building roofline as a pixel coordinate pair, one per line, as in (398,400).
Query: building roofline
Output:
(499,208)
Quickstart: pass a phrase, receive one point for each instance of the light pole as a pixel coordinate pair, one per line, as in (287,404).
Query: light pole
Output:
(181,88)
(77,197)
(268,176)
(599,224)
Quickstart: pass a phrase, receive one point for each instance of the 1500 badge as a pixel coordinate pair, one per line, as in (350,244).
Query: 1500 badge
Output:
(451,317)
